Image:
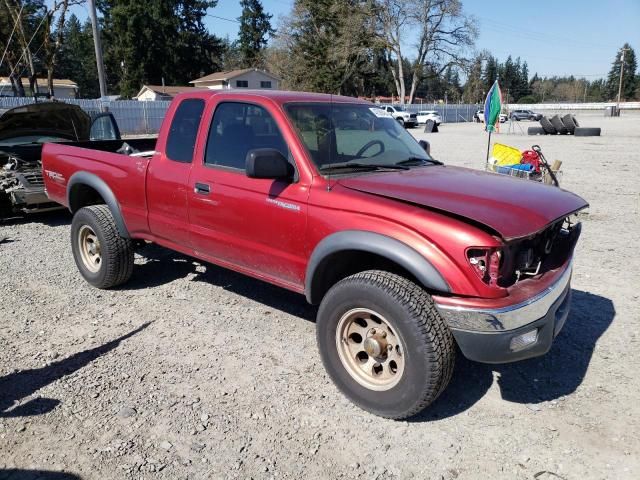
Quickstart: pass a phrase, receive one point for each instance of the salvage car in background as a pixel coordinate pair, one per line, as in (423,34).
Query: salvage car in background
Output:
(23,130)
(525,115)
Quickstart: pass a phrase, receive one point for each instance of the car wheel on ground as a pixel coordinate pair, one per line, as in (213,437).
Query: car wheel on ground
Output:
(558,125)
(536,131)
(104,258)
(587,132)
(548,126)
(384,343)
(400,121)
(568,122)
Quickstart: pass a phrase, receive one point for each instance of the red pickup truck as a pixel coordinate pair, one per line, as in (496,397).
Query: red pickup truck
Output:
(330,197)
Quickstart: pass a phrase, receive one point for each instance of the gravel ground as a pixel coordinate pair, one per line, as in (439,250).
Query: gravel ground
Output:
(191,371)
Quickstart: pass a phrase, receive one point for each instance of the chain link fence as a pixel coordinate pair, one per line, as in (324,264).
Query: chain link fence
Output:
(144,118)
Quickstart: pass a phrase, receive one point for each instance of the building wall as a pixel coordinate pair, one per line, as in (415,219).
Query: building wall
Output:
(59,91)
(253,80)
(148,96)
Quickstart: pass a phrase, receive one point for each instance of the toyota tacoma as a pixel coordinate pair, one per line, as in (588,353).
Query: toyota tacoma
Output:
(330,197)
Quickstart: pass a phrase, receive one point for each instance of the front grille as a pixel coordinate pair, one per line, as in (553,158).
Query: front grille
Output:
(413,115)
(31,179)
(545,251)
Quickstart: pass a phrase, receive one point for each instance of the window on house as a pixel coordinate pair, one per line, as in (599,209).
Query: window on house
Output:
(265,84)
(184,129)
(237,128)
(242,84)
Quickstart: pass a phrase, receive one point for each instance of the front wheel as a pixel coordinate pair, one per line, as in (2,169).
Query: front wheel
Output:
(104,258)
(384,344)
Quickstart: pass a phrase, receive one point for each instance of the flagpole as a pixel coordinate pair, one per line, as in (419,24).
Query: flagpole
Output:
(489,145)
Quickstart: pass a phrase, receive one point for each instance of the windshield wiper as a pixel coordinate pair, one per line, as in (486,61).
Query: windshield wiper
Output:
(362,166)
(418,161)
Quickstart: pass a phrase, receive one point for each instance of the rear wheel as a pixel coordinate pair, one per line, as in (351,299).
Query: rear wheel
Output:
(104,258)
(384,344)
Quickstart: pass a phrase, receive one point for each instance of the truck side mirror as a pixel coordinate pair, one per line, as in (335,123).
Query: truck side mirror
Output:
(426,146)
(267,163)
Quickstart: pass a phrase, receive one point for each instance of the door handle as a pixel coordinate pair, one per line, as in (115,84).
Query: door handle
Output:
(202,188)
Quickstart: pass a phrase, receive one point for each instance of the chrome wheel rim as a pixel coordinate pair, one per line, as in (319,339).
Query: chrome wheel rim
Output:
(89,247)
(370,349)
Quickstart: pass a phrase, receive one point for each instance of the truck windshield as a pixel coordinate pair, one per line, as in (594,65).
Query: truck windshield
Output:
(336,134)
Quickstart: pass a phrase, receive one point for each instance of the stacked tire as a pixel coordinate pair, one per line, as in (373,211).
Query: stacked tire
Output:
(567,125)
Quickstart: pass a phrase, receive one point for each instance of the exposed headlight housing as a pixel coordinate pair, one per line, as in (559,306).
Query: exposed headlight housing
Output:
(486,263)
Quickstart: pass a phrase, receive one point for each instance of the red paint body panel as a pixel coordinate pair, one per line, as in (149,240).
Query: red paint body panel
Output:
(269,229)
(501,202)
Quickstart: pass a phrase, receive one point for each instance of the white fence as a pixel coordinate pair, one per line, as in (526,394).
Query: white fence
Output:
(133,117)
(145,118)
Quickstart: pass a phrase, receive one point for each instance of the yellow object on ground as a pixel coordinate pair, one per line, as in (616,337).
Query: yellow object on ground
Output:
(505,155)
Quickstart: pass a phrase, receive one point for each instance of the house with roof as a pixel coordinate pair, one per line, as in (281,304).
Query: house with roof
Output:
(161,92)
(62,88)
(246,78)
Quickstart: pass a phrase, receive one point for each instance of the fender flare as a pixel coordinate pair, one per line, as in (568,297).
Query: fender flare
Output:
(100,186)
(390,248)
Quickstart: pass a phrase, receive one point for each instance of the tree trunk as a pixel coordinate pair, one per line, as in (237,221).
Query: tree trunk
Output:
(414,85)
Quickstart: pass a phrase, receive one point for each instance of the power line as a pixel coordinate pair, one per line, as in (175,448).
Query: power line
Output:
(15,25)
(222,18)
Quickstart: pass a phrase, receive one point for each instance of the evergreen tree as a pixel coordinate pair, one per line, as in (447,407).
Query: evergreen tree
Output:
(475,88)
(629,76)
(490,72)
(77,59)
(255,26)
(156,41)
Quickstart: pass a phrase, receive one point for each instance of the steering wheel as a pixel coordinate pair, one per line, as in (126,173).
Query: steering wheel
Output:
(370,144)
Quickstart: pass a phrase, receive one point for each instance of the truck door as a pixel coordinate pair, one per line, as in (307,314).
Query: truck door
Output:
(255,225)
(168,174)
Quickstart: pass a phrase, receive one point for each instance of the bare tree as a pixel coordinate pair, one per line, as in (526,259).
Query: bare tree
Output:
(442,30)
(18,15)
(56,16)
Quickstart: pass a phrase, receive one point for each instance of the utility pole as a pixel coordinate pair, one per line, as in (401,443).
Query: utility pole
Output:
(620,84)
(98,47)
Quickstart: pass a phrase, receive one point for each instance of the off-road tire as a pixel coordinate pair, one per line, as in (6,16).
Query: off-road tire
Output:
(575,121)
(558,125)
(428,345)
(536,131)
(568,122)
(587,132)
(116,265)
(401,122)
(548,126)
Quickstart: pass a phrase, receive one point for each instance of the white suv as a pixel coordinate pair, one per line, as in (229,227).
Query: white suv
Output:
(425,115)
(405,118)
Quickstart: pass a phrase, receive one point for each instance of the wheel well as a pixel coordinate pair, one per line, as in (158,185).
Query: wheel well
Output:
(340,265)
(82,195)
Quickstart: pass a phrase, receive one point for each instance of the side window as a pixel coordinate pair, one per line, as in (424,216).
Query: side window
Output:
(389,109)
(103,128)
(265,84)
(184,129)
(237,128)
(242,83)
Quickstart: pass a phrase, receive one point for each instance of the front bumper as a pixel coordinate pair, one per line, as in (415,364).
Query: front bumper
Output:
(494,335)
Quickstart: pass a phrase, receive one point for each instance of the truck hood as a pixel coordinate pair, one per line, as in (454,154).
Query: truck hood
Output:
(511,207)
(47,118)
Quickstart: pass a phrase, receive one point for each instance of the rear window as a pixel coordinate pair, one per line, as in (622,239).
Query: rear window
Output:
(184,130)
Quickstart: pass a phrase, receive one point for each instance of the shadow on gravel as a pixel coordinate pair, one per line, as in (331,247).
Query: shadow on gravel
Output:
(51,219)
(19,385)
(13,474)
(163,266)
(556,374)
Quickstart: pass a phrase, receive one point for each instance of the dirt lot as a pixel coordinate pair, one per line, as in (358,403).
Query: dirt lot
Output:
(191,371)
